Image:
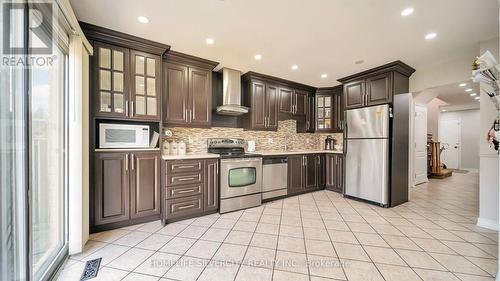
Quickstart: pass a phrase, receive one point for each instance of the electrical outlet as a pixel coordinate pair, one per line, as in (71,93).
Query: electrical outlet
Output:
(307,140)
(190,140)
(270,141)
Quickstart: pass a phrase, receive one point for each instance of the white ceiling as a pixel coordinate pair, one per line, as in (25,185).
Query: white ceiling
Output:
(321,36)
(454,95)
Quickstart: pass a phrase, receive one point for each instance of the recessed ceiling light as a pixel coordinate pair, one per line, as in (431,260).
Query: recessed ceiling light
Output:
(210,41)
(142,19)
(324,75)
(477,98)
(407,12)
(473,94)
(462,84)
(468,90)
(258,57)
(295,67)
(444,110)
(359,61)
(430,36)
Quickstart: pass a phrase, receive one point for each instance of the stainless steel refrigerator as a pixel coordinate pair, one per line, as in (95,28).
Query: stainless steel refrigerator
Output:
(367,144)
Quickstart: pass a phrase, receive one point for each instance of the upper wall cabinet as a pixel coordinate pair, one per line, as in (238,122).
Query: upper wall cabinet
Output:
(376,86)
(271,99)
(329,110)
(187,95)
(126,80)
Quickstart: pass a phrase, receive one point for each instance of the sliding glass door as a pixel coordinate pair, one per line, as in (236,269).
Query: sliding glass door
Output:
(33,141)
(48,162)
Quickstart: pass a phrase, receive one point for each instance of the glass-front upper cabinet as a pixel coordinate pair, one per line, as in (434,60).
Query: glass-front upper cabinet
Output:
(111,83)
(145,101)
(324,106)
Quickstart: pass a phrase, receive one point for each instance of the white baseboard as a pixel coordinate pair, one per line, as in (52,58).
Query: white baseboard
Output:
(486,223)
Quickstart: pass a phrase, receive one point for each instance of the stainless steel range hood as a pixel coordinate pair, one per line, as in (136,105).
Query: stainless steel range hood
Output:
(231,94)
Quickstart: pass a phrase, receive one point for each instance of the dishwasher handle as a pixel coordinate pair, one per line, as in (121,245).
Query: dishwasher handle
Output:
(274,160)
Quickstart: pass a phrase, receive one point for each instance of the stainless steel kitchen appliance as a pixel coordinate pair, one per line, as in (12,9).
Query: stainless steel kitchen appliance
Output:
(274,177)
(366,148)
(240,175)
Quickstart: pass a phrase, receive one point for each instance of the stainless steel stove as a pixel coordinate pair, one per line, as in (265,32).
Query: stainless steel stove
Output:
(240,174)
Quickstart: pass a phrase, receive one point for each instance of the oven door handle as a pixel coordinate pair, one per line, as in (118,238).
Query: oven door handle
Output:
(239,160)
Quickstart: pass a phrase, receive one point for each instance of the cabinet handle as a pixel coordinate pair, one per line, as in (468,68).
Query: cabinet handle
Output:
(186,179)
(187,166)
(133,161)
(186,191)
(132,109)
(126,108)
(126,162)
(186,207)
(190,116)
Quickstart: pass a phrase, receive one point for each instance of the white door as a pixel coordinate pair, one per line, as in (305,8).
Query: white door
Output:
(449,135)
(420,145)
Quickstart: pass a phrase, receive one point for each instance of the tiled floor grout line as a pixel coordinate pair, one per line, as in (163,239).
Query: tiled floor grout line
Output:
(329,236)
(304,237)
(277,238)
(248,246)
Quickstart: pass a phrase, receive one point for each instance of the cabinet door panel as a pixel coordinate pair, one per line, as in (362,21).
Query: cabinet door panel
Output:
(176,94)
(379,89)
(145,74)
(354,94)
(211,185)
(295,174)
(200,96)
(300,103)
(111,88)
(258,105)
(286,100)
(272,102)
(111,188)
(145,184)
(321,171)
(311,171)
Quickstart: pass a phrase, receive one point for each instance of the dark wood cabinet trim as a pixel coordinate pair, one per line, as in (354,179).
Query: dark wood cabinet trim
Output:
(397,66)
(173,56)
(278,81)
(98,33)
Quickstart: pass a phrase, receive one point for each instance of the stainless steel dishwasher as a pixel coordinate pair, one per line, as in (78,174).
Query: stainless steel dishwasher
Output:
(274,177)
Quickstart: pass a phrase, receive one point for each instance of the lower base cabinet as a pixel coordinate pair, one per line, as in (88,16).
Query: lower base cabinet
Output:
(126,189)
(191,188)
(334,164)
(304,173)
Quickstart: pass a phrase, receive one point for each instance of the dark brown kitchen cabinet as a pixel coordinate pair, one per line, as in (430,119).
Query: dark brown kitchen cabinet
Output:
(211,185)
(354,93)
(145,80)
(111,89)
(187,94)
(292,101)
(334,166)
(295,174)
(126,83)
(191,188)
(144,184)
(176,94)
(376,86)
(286,100)
(304,172)
(111,188)
(263,100)
(311,170)
(310,124)
(379,89)
(329,110)
(126,187)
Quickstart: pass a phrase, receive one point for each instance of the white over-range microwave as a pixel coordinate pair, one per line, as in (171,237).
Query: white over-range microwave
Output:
(123,136)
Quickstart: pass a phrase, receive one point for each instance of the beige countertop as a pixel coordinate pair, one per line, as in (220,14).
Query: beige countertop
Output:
(190,156)
(295,152)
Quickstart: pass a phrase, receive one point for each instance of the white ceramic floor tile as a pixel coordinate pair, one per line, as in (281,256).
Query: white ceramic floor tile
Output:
(130,259)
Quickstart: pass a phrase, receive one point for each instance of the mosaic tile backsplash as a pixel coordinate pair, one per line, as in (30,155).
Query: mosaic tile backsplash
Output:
(196,138)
